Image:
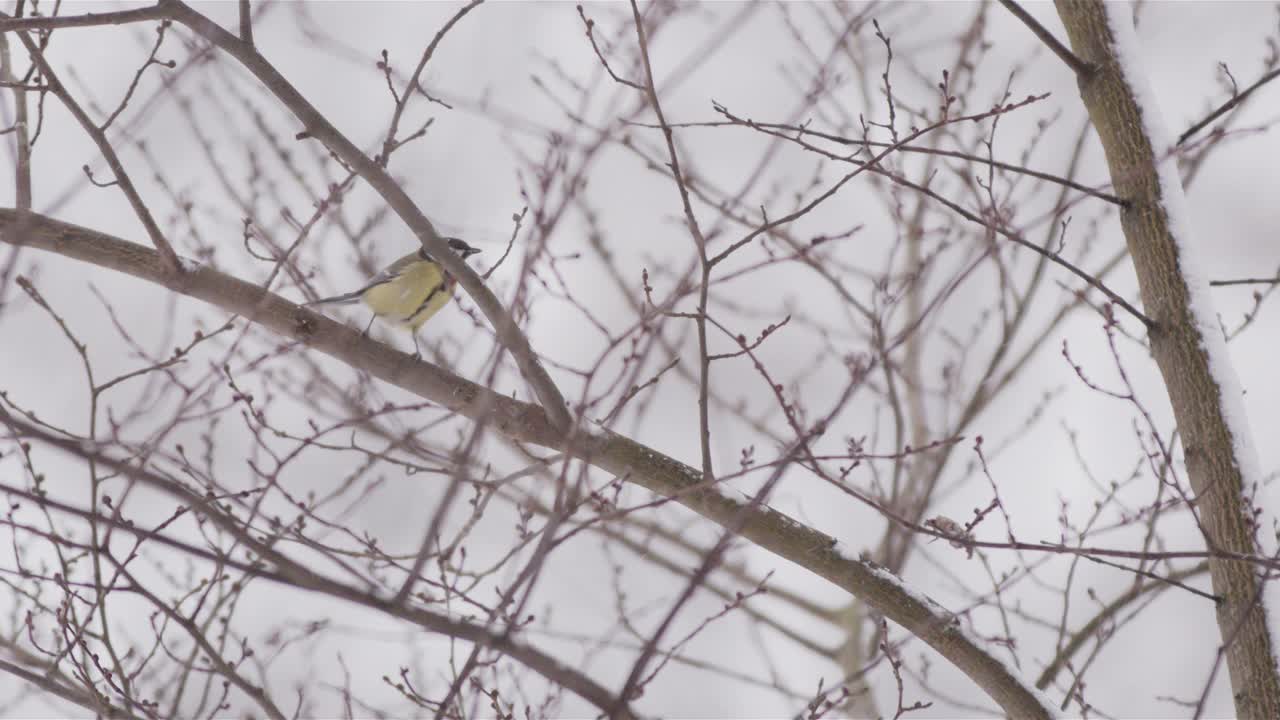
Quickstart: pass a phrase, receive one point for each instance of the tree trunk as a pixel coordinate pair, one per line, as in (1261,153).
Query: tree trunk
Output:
(1185,339)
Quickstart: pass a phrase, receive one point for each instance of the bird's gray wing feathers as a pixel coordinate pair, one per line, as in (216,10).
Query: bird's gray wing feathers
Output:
(354,296)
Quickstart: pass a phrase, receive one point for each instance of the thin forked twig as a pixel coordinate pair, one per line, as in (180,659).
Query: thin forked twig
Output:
(99,138)
(1234,101)
(414,79)
(873,166)
(842,140)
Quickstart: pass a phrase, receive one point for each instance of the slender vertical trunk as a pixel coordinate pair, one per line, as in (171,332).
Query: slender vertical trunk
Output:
(1185,339)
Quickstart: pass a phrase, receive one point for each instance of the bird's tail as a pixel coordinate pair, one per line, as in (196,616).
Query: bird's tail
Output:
(346,299)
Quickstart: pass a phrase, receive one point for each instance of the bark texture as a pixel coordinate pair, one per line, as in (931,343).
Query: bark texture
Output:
(1180,352)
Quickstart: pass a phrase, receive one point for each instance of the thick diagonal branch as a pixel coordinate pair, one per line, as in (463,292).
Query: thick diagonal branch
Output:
(780,534)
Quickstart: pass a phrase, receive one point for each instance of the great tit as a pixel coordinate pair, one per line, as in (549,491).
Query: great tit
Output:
(408,291)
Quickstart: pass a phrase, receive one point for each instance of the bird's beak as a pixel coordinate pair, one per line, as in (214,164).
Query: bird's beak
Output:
(470,252)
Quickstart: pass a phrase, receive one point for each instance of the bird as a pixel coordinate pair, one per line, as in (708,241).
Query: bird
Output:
(407,292)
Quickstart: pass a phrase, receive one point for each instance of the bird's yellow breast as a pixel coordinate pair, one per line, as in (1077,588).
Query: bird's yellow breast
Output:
(415,294)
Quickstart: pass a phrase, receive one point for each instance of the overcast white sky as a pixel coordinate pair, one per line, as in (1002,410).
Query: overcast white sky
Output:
(465,174)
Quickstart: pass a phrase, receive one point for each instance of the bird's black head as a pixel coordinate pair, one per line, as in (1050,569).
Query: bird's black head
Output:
(461,247)
(455,244)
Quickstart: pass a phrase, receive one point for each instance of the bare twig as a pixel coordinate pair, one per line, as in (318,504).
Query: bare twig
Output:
(99,138)
(1245,281)
(120,17)
(1080,67)
(246,22)
(1235,100)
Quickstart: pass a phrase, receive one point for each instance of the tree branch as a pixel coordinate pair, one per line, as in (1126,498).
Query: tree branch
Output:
(1234,101)
(1187,342)
(295,575)
(774,531)
(317,126)
(1080,67)
(98,135)
(122,17)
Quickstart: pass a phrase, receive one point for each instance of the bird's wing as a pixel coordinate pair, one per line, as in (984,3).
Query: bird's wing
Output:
(384,276)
